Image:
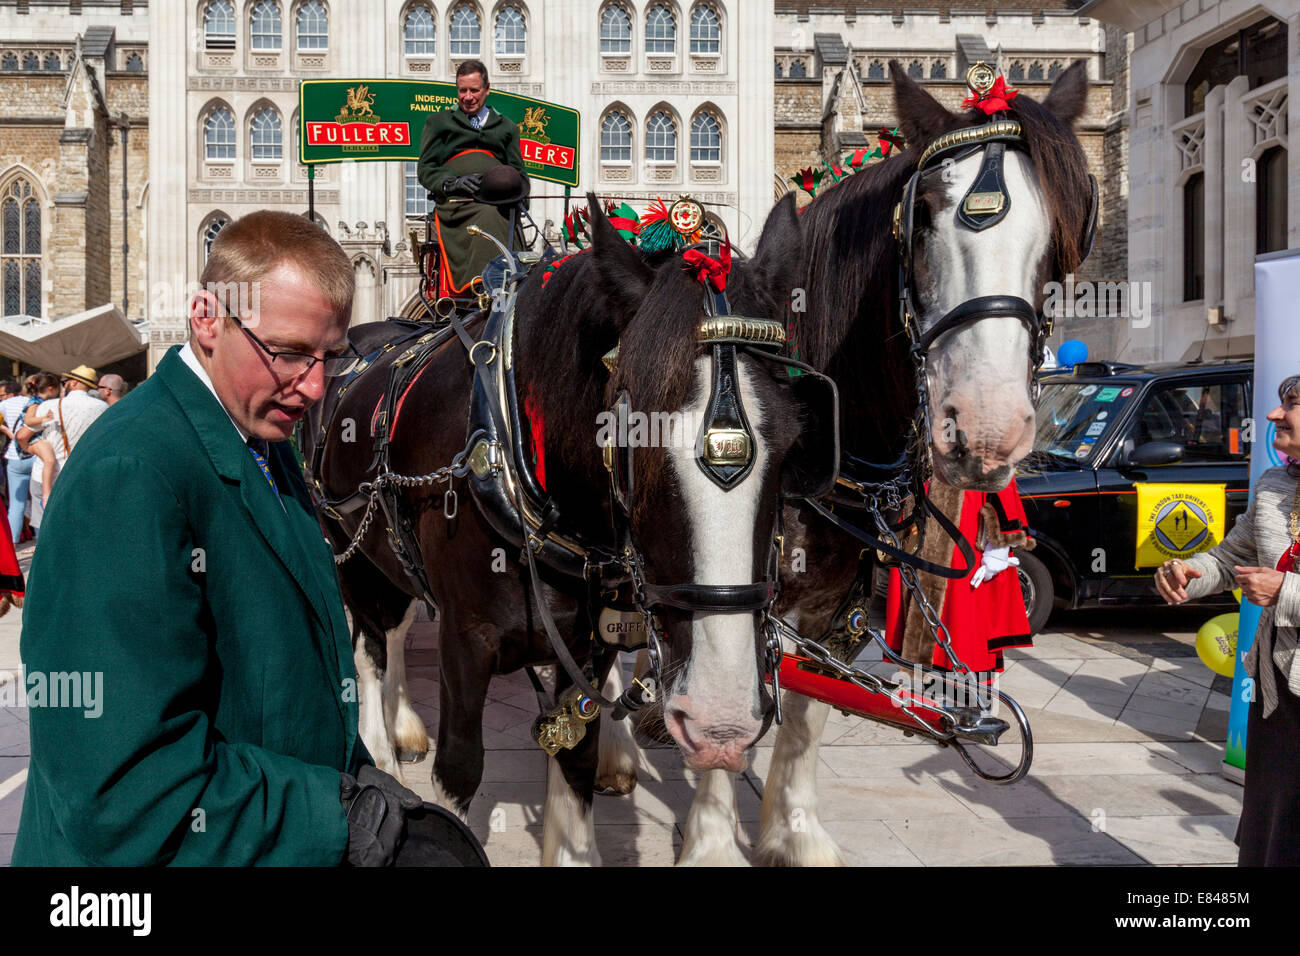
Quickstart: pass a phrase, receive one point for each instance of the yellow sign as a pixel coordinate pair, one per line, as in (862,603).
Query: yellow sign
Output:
(1176,521)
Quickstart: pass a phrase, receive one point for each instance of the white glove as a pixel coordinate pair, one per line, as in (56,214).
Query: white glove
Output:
(993,561)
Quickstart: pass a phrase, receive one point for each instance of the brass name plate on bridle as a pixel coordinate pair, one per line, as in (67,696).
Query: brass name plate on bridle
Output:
(726,446)
(984,203)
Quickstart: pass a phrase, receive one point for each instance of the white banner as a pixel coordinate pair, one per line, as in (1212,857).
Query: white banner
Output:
(1277,356)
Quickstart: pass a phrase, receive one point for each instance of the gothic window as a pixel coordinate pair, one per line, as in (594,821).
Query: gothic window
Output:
(615,138)
(1194,238)
(266,138)
(915,70)
(777,65)
(1017,70)
(31,62)
(511,33)
(1054,70)
(938,70)
(134,63)
(706,30)
(210,231)
(266,25)
(798,70)
(660,30)
(876,71)
(219,135)
(661,138)
(417,197)
(52,64)
(1270,201)
(419,33)
(1258,53)
(465,31)
(219,26)
(313,26)
(1035,71)
(615,30)
(9,62)
(20,249)
(706,139)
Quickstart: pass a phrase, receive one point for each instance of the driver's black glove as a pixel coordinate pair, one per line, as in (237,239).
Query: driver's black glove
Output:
(375,805)
(462,185)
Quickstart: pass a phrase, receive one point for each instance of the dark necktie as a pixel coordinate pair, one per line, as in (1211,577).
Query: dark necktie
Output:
(260,451)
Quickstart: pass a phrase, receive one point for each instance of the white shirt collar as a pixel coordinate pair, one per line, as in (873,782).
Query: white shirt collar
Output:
(190,359)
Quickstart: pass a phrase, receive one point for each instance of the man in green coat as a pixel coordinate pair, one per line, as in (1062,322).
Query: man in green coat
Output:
(457,147)
(217,716)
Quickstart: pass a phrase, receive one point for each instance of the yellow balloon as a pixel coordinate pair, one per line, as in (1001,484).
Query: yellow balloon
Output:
(1216,643)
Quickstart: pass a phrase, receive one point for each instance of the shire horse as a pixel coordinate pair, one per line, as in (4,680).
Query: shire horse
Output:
(978,375)
(568,315)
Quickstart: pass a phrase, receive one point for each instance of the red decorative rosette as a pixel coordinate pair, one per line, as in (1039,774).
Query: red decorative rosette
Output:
(995,100)
(708,270)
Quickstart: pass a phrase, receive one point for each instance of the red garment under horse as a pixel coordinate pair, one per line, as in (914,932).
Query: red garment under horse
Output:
(11,576)
(981,621)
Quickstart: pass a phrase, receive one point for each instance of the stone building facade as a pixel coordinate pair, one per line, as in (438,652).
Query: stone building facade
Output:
(832,89)
(1214,85)
(74,272)
(675,97)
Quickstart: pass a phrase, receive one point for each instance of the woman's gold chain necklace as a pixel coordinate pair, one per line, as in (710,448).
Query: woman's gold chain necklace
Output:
(1295,514)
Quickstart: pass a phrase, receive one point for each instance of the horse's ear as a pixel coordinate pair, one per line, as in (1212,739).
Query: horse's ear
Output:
(780,248)
(920,116)
(619,266)
(1068,96)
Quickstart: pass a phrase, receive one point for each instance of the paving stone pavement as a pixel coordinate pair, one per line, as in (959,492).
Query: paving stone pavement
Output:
(1128,740)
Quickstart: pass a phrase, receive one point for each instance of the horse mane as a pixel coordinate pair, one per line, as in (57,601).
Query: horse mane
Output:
(657,354)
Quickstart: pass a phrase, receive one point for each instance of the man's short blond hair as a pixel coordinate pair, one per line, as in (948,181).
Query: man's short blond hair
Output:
(250,248)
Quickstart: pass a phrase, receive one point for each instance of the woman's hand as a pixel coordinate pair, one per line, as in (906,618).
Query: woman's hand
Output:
(1261,585)
(1171,580)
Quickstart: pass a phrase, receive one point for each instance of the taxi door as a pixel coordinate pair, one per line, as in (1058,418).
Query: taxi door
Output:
(1203,417)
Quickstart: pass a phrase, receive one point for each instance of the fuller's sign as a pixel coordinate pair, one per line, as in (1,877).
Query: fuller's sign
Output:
(382,121)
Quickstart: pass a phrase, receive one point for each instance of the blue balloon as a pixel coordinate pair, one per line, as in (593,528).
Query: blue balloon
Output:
(1072,352)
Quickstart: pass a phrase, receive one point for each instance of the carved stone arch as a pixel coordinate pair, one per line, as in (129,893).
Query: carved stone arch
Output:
(365,262)
(207,233)
(683,131)
(210,107)
(246,126)
(490,23)
(618,106)
(712,109)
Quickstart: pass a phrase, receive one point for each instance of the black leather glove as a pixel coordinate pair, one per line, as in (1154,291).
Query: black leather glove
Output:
(375,805)
(462,185)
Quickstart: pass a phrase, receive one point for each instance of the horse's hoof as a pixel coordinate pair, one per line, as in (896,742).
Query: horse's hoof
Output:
(411,756)
(615,784)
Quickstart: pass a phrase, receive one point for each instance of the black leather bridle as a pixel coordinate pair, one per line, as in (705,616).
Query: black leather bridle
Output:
(985,204)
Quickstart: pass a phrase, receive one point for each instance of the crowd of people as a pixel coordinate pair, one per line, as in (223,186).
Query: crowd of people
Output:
(41,421)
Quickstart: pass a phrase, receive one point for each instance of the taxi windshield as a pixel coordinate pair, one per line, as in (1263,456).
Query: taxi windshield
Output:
(1073,417)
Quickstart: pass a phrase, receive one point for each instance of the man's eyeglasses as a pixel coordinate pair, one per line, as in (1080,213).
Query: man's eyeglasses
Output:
(299,363)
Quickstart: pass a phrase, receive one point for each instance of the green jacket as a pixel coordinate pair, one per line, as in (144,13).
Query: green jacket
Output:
(167,564)
(449,132)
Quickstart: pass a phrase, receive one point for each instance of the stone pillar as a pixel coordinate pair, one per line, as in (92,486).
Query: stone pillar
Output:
(80,237)
(1212,151)
(1238,262)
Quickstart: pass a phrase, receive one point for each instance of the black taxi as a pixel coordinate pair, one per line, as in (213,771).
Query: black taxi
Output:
(1100,431)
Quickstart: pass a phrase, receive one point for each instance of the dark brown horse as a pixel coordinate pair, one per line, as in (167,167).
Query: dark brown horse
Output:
(686,526)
